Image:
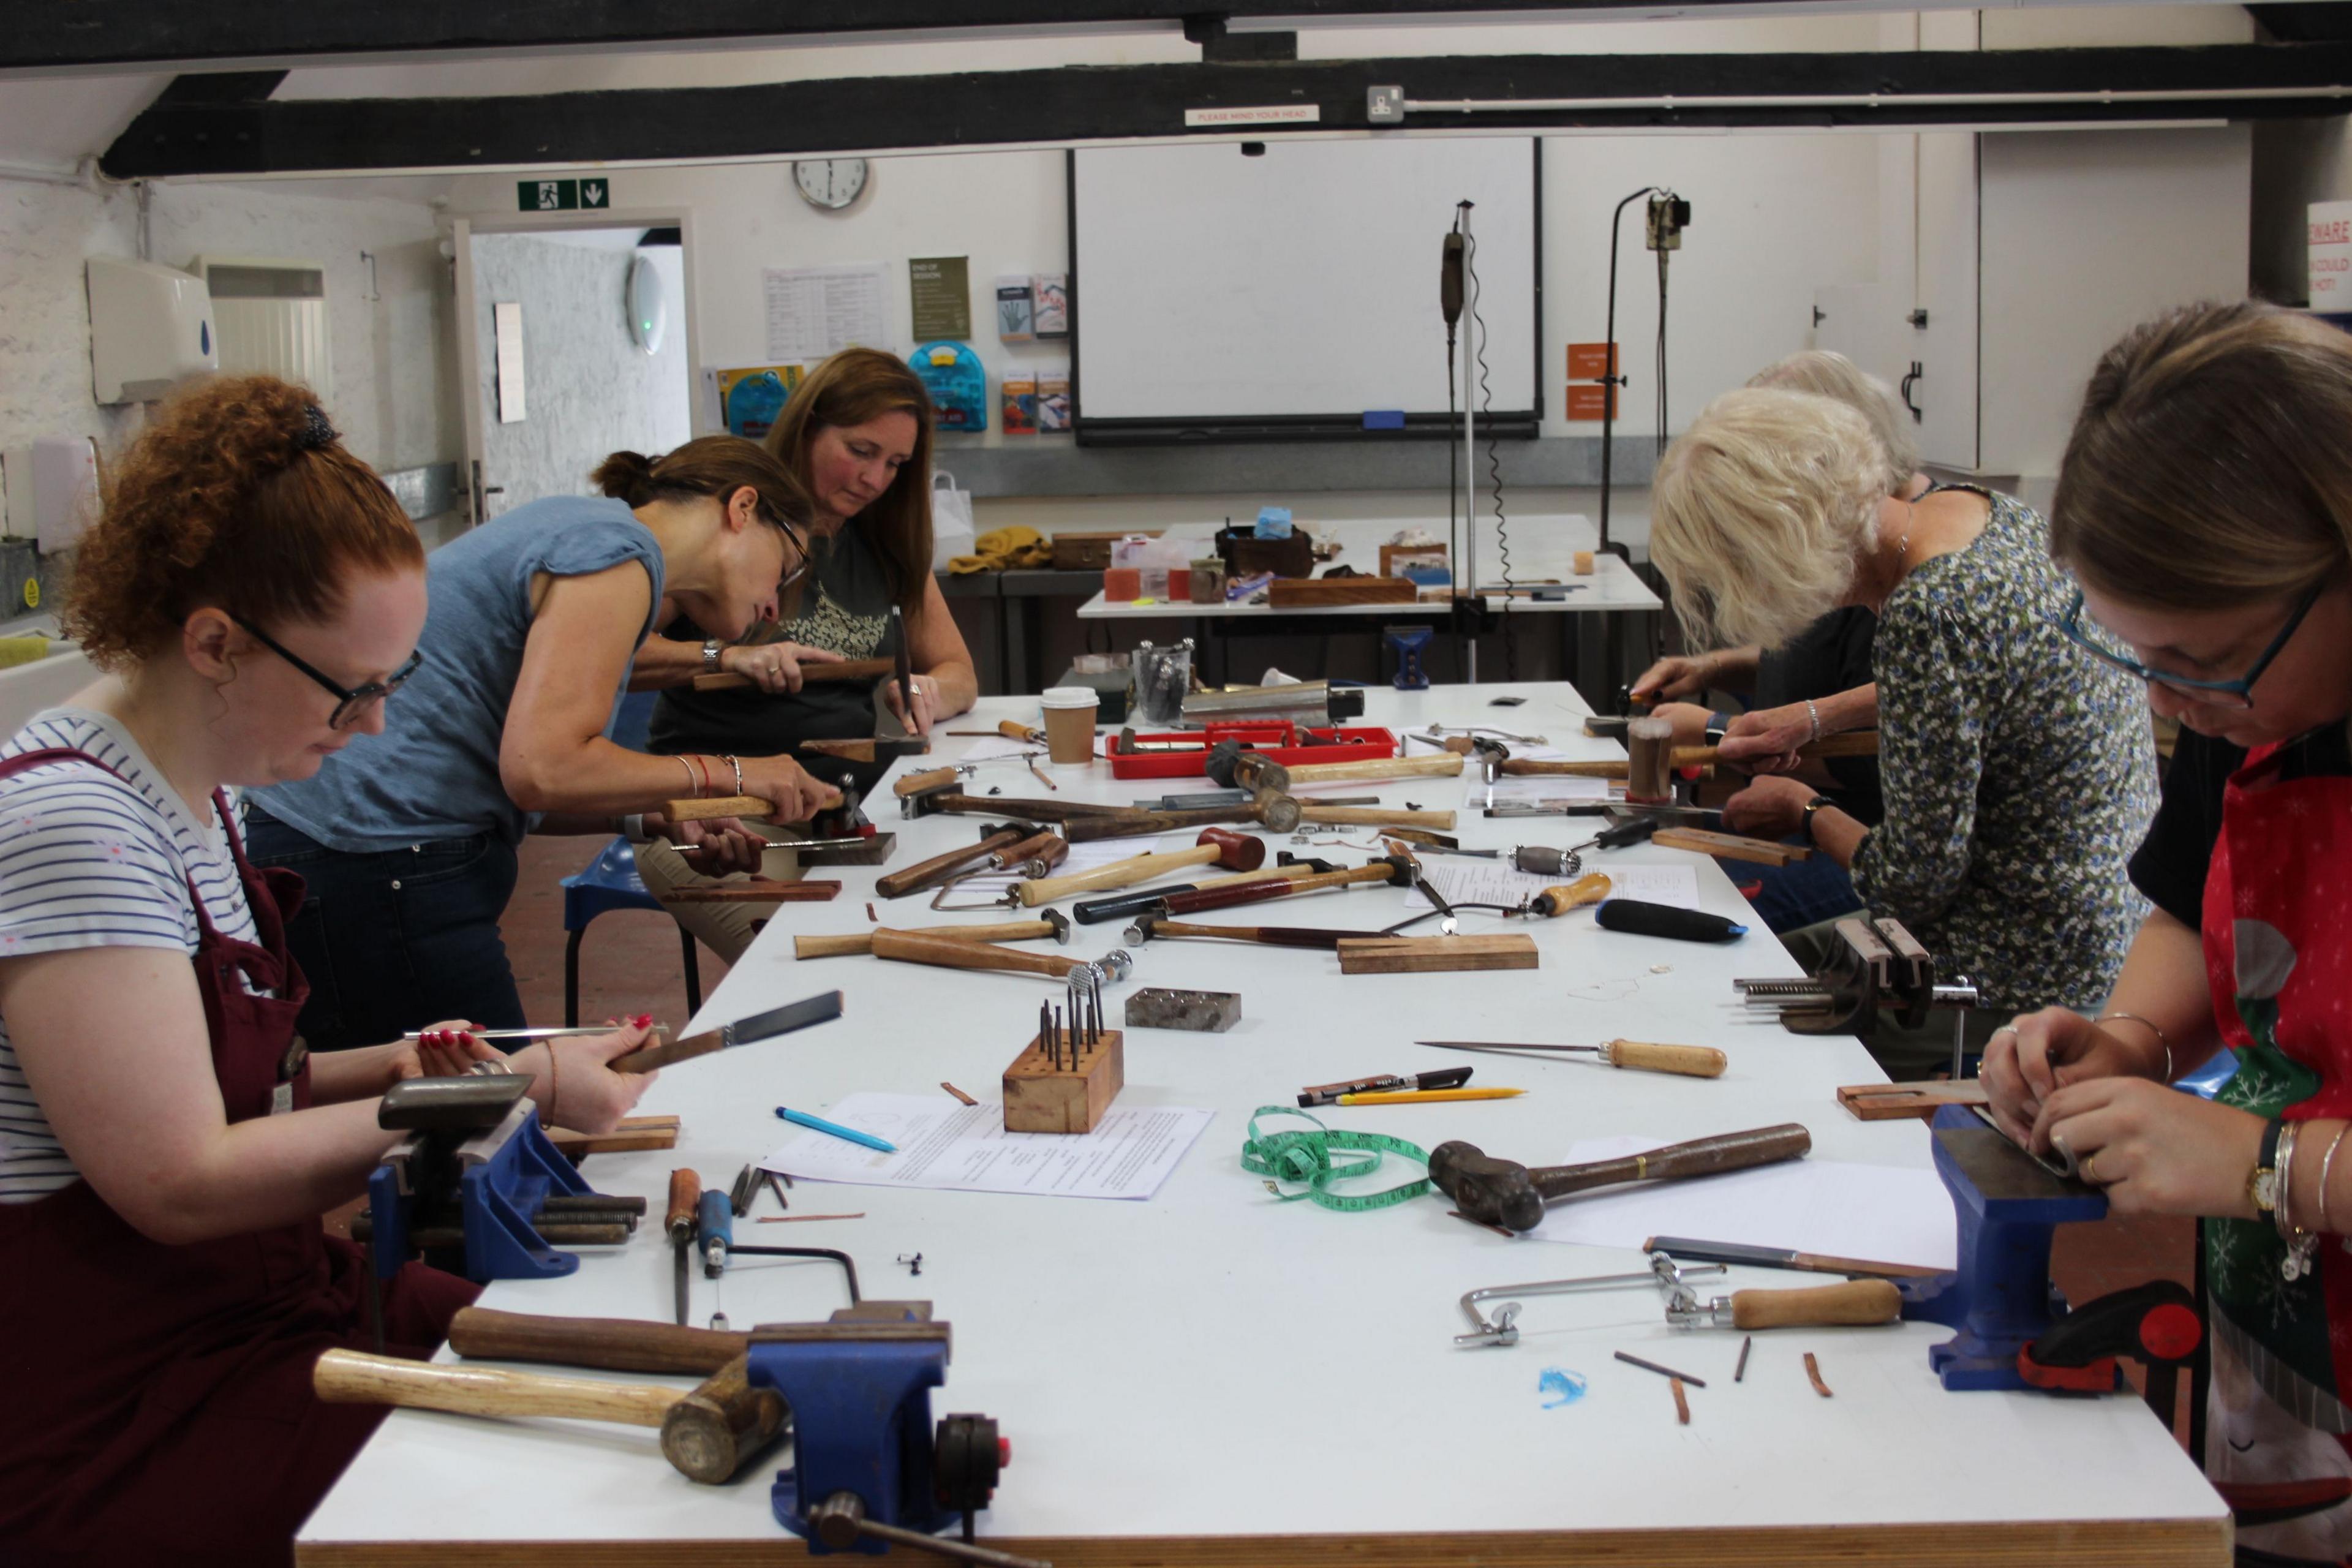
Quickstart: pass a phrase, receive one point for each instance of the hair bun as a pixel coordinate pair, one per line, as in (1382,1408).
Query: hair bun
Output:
(625,476)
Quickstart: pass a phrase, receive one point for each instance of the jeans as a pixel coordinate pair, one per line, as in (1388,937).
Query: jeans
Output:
(1800,893)
(394,940)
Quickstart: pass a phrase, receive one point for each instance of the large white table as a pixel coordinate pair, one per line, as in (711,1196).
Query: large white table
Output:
(1215,1377)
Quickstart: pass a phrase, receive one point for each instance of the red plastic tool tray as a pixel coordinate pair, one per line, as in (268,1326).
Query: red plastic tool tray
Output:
(1279,741)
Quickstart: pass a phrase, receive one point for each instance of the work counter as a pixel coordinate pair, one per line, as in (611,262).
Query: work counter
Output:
(1215,1376)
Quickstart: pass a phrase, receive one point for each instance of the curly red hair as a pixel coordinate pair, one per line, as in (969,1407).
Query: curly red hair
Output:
(237,495)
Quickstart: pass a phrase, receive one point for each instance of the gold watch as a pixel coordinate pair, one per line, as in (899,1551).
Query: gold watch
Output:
(2262,1181)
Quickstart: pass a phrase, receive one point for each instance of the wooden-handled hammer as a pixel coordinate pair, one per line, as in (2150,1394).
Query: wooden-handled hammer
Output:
(1229,766)
(1054,923)
(906,947)
(707,1433)
(1219,846)
(1505,1192)
(812,674)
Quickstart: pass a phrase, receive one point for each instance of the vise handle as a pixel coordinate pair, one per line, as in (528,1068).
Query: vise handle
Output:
(1855,1302)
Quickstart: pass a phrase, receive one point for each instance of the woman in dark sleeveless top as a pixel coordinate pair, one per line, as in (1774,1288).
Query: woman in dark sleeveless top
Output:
(857,433)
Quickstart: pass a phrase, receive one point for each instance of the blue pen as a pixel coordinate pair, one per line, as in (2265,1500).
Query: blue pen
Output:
(819,1124)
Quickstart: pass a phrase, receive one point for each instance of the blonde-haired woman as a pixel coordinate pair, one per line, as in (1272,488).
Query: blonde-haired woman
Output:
(2018,772)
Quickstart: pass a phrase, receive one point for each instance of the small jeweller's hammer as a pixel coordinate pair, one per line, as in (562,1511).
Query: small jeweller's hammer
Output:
(1505,1192)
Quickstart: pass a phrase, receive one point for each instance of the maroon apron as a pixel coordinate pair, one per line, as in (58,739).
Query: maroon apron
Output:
(155,1400)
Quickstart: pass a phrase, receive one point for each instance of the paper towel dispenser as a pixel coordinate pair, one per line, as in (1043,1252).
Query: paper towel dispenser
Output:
(151,327)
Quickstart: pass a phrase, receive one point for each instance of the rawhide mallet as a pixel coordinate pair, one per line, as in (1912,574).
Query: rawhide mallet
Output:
(1215,846)
(1505,1192)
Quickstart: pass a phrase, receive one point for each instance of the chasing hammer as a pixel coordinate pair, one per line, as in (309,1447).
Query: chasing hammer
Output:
(1505,1192)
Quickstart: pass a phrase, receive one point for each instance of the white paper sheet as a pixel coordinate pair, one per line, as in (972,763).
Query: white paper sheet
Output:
(1883,1212)
(965,1148)
(813,311)
(1471,881)
(989,747)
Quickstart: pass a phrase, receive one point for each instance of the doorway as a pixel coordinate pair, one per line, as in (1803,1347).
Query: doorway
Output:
(575,341)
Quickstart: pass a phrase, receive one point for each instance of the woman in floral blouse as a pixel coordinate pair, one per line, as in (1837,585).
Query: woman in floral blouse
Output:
(2019,772)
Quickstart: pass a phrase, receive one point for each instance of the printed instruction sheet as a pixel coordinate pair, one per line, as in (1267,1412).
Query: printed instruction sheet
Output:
(965,1148)
(813,311)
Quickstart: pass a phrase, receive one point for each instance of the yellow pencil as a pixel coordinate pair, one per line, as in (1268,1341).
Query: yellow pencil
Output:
(1422,1096)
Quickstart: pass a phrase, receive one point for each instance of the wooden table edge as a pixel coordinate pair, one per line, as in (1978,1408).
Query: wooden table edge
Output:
(2028,1543)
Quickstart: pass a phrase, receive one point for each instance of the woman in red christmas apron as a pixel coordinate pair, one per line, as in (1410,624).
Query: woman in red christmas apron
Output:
(166,1148)
(2205,510)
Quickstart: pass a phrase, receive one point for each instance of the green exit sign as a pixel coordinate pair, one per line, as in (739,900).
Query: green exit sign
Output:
(562,195)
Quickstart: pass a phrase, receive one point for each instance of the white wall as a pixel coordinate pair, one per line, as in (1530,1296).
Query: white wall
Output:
(589,389)
(393,396)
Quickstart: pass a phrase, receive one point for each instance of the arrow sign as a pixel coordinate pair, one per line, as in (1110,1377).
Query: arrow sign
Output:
(594,194)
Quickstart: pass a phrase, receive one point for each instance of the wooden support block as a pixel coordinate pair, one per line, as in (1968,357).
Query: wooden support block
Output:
(1891,1101)
(1041,1097)
(1730,846)
(633,1133)
(1312,593)
(1435,954)
(1581,562)
(760,890)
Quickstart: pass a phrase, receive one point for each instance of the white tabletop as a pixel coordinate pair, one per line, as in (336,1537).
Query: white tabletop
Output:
(1214,1364)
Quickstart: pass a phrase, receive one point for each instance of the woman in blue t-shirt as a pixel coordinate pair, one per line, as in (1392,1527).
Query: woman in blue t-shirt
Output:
(407,839)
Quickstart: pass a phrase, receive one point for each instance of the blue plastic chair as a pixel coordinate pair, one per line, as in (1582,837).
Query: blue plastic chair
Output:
(611,882)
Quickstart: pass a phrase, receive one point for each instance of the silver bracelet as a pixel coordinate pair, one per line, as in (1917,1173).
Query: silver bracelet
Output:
(2151,1028)
(2327,1164)
(1813,717)
(2300,1243)
(731,763)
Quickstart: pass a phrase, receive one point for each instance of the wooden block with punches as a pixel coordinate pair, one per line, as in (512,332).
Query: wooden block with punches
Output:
(1435,954)
(1067,1087)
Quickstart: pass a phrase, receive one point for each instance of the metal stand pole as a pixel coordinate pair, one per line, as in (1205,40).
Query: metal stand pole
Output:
(1469,578)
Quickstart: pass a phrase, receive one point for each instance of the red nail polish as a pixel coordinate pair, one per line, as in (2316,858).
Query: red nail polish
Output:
(644,1020)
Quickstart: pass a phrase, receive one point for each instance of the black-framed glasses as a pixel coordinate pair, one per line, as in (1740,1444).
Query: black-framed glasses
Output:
(799,542)
(2102,644)
(351,702)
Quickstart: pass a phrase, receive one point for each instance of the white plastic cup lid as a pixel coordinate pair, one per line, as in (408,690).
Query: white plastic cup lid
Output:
(1070,697)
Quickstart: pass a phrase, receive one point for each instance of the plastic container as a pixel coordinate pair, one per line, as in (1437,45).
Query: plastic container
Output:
(1122,584)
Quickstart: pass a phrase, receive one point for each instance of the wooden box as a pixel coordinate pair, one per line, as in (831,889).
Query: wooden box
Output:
(1041,1097)
(1091,552)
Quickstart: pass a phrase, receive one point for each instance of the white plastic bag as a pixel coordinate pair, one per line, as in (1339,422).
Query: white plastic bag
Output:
(952,530)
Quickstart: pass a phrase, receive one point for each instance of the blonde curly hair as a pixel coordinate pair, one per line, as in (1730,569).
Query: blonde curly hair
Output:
(1759,512)
(1834,376)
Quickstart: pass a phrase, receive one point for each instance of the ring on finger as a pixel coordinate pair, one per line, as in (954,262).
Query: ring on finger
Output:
(2090,1169)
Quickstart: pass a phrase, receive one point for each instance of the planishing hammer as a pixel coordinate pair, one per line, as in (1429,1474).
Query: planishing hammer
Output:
(1505,1192)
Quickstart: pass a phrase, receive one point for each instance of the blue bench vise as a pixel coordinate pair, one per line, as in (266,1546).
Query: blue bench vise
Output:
(869,1468)
(474,1181)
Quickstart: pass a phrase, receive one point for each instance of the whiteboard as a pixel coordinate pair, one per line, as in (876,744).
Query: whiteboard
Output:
(1215,288)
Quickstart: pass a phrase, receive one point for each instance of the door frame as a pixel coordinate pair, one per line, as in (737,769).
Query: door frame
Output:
(462,230)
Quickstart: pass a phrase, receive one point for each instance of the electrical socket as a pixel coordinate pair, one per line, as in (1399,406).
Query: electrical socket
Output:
(1384,105)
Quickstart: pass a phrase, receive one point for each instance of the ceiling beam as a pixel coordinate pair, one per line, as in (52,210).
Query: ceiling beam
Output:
(1087,103)
(90,35)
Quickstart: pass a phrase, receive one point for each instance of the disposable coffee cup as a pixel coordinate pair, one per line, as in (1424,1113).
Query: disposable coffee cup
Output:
(1070,723)
(1650,751)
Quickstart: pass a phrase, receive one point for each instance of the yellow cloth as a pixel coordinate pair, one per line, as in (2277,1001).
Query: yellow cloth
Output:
(22,650)
(1001,548)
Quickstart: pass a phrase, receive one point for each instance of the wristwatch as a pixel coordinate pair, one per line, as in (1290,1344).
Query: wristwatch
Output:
(1811,806)
(711,656)
(2262,1181)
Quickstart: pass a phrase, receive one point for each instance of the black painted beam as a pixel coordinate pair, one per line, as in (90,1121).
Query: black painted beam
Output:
(1085,103)
(94,33)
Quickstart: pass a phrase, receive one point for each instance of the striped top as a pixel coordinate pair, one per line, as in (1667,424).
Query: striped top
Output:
(87,860)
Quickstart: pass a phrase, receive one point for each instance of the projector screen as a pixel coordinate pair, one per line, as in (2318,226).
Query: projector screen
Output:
(1217,295)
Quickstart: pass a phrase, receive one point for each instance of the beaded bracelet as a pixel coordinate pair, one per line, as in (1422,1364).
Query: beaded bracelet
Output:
(733,762)
(2300,1243)
(1813,718)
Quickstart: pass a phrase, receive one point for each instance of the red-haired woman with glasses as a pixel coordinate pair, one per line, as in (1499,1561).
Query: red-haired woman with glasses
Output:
(253,595)
(2204,509)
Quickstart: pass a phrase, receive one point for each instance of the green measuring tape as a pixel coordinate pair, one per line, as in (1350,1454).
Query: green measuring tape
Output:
(1315,1160)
